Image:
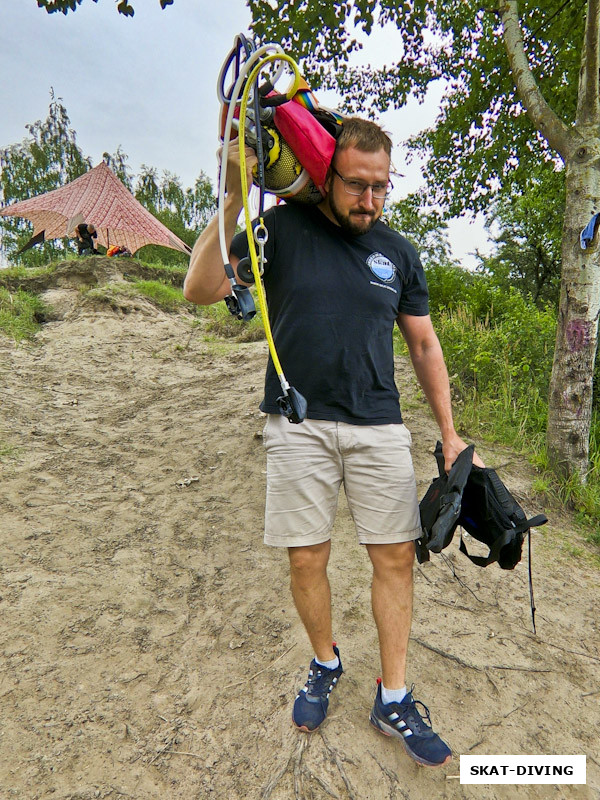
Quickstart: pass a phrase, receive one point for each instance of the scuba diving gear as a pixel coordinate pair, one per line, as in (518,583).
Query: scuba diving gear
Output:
(294,149)
(476,499)
(441,506)
(284,174)
(292,404)
(244,270)
(298,137)
(240,302)
(490,514)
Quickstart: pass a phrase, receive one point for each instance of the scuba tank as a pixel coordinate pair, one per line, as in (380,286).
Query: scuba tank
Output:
(297,136)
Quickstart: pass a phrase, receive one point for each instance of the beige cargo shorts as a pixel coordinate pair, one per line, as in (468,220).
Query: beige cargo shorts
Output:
(307,463)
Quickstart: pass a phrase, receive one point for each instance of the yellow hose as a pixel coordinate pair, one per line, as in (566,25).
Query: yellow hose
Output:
(262,302)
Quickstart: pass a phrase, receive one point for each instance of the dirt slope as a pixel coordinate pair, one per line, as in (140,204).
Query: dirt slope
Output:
(150,646)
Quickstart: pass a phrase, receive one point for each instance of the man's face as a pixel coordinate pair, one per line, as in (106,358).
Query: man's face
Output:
(355,214)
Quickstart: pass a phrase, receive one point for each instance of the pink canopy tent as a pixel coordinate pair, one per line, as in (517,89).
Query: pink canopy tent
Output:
(100,199)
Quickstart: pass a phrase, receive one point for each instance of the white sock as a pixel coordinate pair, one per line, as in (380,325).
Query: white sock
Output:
(333,664)
(392,695)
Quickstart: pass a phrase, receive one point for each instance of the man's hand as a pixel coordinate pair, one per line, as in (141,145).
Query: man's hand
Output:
(452,446)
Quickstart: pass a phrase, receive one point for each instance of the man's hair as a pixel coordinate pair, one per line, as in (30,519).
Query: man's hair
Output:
(363,135)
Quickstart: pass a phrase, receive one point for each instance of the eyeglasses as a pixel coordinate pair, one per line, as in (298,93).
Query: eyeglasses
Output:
(357,188)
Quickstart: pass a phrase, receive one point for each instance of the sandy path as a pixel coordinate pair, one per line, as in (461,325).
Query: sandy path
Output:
(150,646)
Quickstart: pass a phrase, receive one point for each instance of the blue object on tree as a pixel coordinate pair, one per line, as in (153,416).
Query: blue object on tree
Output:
(588,233)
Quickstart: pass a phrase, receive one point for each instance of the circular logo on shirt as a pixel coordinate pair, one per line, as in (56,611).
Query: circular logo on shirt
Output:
(381,267)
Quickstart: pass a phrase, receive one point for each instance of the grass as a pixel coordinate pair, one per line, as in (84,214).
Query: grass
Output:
(169,298)
(13,273)
(163,296)
(220,322)
(584,498)
(21,314)
(171,274)
(7,451)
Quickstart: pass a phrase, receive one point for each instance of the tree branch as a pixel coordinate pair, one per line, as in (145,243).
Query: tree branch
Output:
(588,101)
(543,117)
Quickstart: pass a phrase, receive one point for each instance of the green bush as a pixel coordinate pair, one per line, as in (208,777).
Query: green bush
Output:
(452,287)
(447,286)
(498,348)
(21,314)
(500,367)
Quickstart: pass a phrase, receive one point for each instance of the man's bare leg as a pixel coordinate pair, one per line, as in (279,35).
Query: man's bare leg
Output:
(391,598)
(391,594)
(312,595)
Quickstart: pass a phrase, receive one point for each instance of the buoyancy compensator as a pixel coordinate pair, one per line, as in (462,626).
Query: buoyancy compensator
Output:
(475,499)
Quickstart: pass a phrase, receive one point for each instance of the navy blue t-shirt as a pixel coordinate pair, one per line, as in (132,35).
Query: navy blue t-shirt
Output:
(333,301)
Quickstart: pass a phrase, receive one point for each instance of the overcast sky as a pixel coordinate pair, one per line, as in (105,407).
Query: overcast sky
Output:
(148,85)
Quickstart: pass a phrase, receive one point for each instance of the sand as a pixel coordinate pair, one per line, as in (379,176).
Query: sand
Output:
(150,644)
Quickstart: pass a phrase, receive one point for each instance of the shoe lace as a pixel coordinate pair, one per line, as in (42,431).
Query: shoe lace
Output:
(319,679)
(417,717)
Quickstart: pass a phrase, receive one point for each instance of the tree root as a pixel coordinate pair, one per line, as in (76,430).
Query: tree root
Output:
(294,762)
(303,775)
(444,654)
(336,759)
(395,786)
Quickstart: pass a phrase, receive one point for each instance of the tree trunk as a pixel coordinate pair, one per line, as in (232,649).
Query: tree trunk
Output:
(570,399)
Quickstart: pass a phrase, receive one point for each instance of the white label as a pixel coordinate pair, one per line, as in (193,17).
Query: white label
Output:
(523,769)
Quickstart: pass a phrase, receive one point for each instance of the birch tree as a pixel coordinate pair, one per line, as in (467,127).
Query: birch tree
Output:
(578,143)
(47,158)
(521,89)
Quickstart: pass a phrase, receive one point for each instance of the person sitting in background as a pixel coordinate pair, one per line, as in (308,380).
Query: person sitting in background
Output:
(85,239)
(118,250)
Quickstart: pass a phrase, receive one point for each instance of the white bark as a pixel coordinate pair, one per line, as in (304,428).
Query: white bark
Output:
(570,399)
(588,100)
(543,117)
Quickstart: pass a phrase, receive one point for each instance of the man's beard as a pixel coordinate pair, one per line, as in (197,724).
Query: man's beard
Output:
(345,220)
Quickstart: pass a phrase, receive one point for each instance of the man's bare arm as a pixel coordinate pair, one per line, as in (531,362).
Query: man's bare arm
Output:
(206,282)
(428,361)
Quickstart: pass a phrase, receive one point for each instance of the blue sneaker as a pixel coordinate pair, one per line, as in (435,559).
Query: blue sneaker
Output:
(310,706)
(404,721)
